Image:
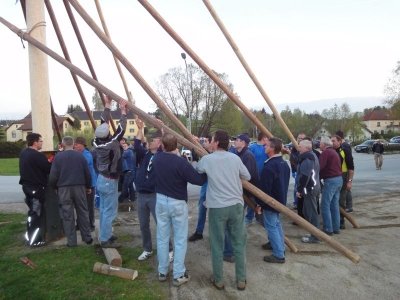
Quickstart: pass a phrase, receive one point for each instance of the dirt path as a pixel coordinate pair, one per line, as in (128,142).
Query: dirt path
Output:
(316,272)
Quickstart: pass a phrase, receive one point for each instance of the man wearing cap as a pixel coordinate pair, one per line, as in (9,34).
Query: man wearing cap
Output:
(108,155)
(241,144)
(80,146)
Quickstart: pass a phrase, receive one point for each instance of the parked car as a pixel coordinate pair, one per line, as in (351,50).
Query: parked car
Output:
(366,146)
(395,140)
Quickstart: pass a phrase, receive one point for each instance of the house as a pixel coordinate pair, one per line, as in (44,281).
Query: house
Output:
(131,127)
(381,121)
(18,130)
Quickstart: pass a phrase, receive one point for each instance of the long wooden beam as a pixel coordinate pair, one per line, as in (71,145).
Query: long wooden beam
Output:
(200,150)
(85,52)
(204,67)
(105,28)
(67,57)
(153,95)
(249,71)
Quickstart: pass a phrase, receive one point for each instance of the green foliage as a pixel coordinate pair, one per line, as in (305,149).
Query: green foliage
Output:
(66,273)
(392,91)
(228,118)
(9,166)
(3,136)
(11,149)
(87,133)
(73,108)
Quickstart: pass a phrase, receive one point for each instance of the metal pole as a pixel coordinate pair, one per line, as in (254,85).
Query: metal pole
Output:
(189,97)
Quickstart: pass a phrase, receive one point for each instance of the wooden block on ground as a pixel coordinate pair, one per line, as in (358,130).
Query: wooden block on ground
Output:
(113,257)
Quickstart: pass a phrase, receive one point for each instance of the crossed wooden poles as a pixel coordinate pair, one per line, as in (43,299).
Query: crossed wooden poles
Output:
(187,140)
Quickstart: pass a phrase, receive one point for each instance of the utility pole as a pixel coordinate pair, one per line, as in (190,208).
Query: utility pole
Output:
(189,96)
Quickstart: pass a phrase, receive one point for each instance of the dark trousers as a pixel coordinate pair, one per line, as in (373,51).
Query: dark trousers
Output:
(34,199)
(127,191)
(70,198)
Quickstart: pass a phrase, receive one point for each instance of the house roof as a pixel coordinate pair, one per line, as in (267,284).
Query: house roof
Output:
(27,123)
(376,115)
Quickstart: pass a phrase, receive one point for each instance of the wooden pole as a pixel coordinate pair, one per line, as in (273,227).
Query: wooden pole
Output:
(84,51)
(204,67)
(349,217)
(115,271)
(250,204)
(354,257)
(250,72)
(105,28)
(39,74)
(53,117)
(67,57)
(200,150)
(92,24)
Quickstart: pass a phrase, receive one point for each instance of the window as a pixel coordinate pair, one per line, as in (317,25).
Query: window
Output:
(86,123)
(132,130)
(13,134)
(131,122)
(16,126)
(382,131)
(66,125)
(378,124)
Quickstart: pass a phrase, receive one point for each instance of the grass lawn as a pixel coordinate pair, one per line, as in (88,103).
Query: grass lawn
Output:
(66,273)
(9,166)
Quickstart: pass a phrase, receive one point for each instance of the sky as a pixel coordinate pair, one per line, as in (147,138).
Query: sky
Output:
(300,51)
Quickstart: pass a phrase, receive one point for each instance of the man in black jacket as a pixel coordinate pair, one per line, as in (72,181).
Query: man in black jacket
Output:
(108,162)
(377,149)
(70,175)
(34,169)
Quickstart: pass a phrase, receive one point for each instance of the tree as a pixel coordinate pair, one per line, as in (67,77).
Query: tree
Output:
(229,118)
(192,94)
(392,91)
(96,100)
(71,108)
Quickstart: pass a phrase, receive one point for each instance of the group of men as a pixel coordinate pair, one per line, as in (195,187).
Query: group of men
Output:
(161,176)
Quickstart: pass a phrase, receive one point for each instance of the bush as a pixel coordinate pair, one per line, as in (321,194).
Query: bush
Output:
(11,149)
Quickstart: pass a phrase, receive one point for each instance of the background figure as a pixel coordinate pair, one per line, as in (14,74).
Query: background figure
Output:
(80,146)
(128,174)
(377,149)
(71,177)
(34,170)
(294,158)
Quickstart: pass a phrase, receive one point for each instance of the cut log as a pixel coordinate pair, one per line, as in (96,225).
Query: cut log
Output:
(349,218)
(113,257)
(115,271)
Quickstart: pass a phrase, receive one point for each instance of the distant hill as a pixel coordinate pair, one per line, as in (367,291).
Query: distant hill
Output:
(357,104)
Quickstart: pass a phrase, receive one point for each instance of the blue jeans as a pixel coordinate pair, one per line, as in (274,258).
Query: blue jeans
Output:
(250,214)
(202,210)
(107,189)
(275,233)
(171,212)
(330,203)
(127,191)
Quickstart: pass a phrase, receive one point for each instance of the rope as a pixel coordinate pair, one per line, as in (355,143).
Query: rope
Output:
(22,32)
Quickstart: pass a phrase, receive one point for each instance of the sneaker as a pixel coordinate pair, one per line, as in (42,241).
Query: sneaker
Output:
(229,259)
(310,240)
(274,259)
(195,236)
(171,256)
(349,210)
(328,233)
(181,280)
(89,242)
(110,244)
(241,285)
(336,231)
(342,226)
(267,246)
(162,277)
(145,255)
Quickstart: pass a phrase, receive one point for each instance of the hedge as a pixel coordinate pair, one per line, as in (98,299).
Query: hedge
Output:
(11,149)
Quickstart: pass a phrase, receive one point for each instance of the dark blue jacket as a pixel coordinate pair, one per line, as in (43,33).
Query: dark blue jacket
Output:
(145,180)
(249,161)
(173,173)
(274,181)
